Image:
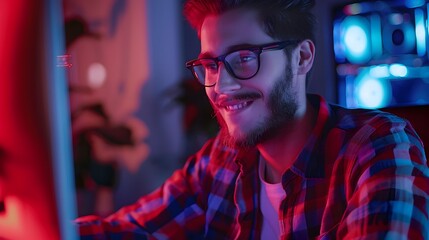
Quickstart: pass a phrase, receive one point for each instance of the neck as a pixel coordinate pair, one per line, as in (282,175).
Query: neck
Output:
(281,151)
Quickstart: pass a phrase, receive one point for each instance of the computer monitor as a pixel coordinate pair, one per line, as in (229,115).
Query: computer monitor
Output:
(37,198)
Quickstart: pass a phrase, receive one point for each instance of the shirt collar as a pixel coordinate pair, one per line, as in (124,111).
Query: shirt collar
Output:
(310,162)
(247,159)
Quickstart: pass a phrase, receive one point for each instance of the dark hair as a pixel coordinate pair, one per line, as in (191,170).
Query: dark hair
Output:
(281,19)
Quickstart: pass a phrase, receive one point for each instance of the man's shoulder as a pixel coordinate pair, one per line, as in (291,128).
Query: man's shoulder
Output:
(349,119)
(362,127)
(353,119)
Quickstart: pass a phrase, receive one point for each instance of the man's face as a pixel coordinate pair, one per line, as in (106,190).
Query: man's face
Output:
(252,110)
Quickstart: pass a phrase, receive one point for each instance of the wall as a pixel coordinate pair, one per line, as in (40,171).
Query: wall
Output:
(159,111)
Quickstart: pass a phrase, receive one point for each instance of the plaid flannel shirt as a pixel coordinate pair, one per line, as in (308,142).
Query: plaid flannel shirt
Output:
(362,174)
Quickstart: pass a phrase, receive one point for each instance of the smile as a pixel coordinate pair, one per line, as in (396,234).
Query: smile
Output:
(236,107)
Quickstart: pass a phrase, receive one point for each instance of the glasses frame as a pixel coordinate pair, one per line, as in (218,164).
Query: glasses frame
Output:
(258,49)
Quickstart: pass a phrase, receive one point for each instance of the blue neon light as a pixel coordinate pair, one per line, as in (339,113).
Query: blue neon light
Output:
(420,32)
(356,39)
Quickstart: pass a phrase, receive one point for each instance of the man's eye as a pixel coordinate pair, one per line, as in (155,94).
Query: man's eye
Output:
(243,60)
(210,66)
(246,58)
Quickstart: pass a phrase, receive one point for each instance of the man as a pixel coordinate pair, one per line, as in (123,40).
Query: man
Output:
(286,165)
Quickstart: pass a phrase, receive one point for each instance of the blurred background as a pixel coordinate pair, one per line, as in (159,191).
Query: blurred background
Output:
(135,113)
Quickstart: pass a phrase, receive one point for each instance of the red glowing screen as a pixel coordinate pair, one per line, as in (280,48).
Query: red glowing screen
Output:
(29,205)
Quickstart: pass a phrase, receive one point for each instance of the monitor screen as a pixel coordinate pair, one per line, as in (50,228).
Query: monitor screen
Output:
(37,198)
(381,53)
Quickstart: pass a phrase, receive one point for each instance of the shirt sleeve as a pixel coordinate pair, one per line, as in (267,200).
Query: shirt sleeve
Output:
(388,185)
(175,210)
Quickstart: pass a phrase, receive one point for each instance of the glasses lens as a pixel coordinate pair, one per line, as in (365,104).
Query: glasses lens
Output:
(205,70)
(244,63)
(241,64)
(199,73)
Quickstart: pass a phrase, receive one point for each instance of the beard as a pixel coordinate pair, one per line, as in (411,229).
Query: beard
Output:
(282,105)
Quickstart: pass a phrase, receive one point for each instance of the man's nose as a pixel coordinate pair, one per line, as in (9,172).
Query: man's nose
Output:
(225,82)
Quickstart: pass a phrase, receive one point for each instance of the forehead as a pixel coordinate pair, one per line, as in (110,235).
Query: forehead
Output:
(234,27)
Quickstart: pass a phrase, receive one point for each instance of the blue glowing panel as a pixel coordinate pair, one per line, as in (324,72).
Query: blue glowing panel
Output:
(355,39)
(381,53)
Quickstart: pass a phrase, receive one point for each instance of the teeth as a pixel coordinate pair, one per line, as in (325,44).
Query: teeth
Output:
(236,107)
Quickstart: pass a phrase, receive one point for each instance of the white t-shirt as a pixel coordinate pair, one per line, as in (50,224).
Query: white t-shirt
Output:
(271,196)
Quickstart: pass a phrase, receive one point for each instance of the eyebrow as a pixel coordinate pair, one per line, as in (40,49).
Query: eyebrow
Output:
(228,50)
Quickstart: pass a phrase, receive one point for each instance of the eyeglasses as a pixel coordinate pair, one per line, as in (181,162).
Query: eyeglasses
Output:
(242,64)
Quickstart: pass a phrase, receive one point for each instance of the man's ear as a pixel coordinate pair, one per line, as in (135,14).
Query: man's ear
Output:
(306,56)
